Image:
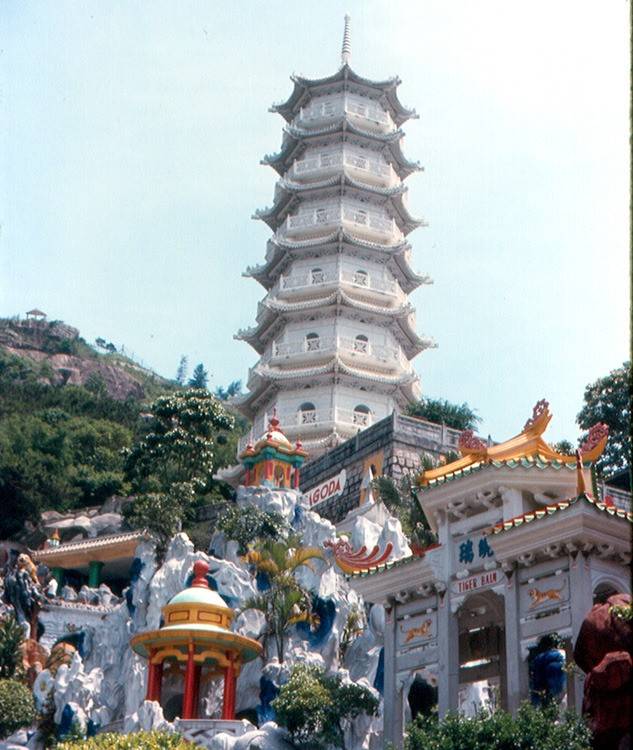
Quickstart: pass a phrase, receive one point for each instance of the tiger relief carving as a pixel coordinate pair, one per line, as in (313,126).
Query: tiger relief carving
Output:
(421,631)
(538,597)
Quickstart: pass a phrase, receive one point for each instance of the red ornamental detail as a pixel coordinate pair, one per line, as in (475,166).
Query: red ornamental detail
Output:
(470,443)
(596,433)
(350,560)
(539,409)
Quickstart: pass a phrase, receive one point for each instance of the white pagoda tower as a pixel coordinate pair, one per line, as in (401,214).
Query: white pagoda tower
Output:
(335,331)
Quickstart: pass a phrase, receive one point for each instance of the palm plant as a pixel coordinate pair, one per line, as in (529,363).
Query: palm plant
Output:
(285,602)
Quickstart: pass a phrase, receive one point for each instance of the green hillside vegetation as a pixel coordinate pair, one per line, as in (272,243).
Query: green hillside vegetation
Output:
(62,446)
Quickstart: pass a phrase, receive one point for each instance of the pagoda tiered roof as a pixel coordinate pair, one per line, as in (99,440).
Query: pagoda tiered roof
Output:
(526,450)
(271,308)
(287,197)
(296,139)
(303,91)
(281,248)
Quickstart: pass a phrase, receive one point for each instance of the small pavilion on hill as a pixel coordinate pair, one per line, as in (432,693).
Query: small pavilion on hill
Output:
(196,637)
(273,461)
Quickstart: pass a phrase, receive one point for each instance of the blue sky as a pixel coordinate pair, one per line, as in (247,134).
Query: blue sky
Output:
(131,137)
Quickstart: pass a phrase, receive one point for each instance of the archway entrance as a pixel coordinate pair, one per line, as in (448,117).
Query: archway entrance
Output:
(482,657)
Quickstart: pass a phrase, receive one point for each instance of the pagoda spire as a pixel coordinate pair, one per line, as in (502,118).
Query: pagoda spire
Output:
(346,51)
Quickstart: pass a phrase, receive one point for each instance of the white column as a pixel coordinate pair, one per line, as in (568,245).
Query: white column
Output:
(581,602)
(392,692)
(512,641)
(448,653)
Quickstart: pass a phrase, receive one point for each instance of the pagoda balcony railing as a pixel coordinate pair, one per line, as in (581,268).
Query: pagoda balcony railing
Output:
(322,112)
(369,224)
(364,349)
(303,423)
(317,278)
(373,170)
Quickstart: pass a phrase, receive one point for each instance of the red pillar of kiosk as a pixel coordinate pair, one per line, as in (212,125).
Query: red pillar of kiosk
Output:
(188,705)
(228,704)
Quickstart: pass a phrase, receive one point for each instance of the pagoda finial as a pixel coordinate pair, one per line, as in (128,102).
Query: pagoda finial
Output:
(346,51)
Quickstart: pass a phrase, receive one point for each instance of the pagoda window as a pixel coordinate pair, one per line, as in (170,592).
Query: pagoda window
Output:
(307,413)
(313,342)
(361,344)
(316,276)
(321,216)
(361,277)
(361,415)
(360,216)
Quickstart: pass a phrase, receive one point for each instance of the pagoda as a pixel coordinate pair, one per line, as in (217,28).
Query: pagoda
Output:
(336,332)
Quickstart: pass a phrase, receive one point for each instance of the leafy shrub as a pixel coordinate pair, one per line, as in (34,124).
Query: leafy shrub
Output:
(532,728)
(312,706)
(11,639)
(136,741)
(17,708)
(249,525)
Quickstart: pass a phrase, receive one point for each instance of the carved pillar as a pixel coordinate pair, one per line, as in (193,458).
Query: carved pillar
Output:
(196,690)
(94,574)
(392,695)
(513,662)
(581,603)
(247,478)
(448,655)
(228,703)
(154,678)
(295,480)
(190,684)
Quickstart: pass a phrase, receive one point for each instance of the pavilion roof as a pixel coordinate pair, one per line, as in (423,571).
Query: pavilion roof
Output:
(549,510)
(527,449)
(295,140)
(303,91)
(280,247)
(287,192)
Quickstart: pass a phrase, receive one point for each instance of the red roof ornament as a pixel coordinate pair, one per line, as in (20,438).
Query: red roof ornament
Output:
(200,571)
(598,432)
(539,409)
(470,443)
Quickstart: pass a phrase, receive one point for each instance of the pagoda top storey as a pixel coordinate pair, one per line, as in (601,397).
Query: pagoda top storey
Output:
(335,331)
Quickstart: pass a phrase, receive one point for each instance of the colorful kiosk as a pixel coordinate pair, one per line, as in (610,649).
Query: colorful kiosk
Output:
(196,636)
(273,461)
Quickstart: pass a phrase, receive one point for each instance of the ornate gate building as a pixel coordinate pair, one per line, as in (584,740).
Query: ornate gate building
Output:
(526,546)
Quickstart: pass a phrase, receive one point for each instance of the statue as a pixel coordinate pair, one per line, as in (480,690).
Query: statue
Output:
(22,590)
(603,651)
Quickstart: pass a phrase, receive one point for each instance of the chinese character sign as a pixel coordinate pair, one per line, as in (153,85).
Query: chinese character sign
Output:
(472,551)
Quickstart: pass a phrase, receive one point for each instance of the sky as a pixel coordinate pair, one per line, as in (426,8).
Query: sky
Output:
(130,139)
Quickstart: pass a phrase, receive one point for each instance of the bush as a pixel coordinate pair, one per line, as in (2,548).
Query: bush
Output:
(11,640)
(312,706)
(17,708)
(136,741)
(249,525)
(532,728)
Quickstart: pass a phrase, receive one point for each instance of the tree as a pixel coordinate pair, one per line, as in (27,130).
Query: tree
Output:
(17,708)
(248,526)
(137,741)
(284,603)
(313,705)
(200,377)
(234,388)
(401,502)
(565,447)
(457,416)
(607,401)
(11,640)
(181,373)
(172,465)
(540,728)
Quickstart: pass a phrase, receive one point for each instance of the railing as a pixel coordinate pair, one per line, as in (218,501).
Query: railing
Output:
(333,216)
(302,423)
(330,109)
(321,162)
(357,278)
(379,352)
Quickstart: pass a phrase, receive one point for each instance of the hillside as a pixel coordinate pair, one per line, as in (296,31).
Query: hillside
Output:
(58,355)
